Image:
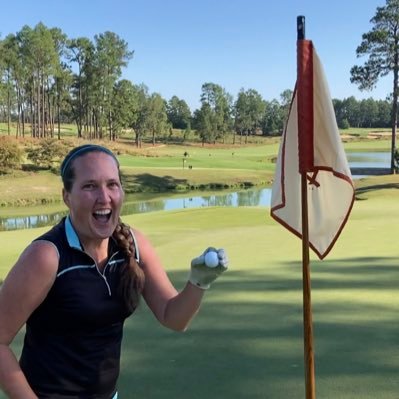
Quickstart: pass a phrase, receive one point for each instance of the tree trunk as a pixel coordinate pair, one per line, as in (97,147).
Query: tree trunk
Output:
(38,106)
(58,110)
(30,115)
(44,106)
(59,119)
(23,121)
(110,127)
(8,111)
(19,108)
(394,112)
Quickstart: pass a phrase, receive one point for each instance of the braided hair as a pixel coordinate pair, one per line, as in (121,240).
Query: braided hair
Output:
(131,284)
(132,277)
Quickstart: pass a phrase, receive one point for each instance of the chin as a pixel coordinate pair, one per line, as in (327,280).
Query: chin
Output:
(103,233)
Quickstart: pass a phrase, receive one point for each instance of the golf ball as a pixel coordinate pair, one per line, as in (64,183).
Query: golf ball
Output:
(211,259)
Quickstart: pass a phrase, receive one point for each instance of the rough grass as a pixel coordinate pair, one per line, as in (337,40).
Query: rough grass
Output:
(247,340)
(30,188)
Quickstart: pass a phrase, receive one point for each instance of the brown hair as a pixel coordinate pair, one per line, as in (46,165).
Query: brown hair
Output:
(132,276)
(132,279)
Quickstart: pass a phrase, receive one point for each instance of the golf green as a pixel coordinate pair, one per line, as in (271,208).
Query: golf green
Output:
(247,341)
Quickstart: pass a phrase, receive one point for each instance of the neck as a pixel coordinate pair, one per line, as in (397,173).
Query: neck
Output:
(98,250)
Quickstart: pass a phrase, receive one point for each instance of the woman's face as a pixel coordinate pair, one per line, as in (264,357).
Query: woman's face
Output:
(96,196)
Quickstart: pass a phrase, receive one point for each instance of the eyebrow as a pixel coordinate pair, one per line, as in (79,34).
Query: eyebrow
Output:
(112,179)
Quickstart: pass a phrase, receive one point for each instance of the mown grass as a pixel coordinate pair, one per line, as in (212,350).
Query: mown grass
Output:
(158,169)
(247,340)
(253,157)
(382,144)
(170,168)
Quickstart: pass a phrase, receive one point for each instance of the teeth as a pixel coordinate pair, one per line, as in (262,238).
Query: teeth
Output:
(103,212)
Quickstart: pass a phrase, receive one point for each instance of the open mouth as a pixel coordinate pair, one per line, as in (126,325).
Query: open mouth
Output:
(102,215)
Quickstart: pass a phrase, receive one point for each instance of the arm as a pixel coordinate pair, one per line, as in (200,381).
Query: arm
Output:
(174,310)
(23,290)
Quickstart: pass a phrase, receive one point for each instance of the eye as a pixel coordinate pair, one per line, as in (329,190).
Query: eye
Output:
(113,185)
(88,186)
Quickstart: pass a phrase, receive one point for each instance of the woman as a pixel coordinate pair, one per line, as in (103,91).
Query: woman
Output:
(74,286)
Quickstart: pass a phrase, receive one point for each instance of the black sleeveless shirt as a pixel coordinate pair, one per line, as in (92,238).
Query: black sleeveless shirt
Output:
(73,339)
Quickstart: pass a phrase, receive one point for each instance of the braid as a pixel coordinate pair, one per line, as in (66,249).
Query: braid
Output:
(132,276)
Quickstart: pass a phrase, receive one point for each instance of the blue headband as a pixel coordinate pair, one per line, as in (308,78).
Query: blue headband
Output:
(81,150)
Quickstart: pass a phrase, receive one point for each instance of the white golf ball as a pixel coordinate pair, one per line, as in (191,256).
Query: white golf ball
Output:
(211,259)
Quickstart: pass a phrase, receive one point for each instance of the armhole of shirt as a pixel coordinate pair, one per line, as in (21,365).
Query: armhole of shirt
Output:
(136,247)
(55,246)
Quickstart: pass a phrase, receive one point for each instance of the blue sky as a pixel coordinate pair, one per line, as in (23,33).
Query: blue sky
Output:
(181,44)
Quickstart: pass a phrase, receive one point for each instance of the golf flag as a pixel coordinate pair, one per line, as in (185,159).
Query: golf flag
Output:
(311,144)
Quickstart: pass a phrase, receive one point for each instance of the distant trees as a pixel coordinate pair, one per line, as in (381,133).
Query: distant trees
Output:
(45,75)
(157,119)
(99,67)
(47,78)
(367,113)
(249,111)
(111,55)
(179,113)
(381,44)
(213,120)
(249,115)
(124,105)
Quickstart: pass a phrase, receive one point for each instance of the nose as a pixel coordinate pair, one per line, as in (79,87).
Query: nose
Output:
(103,195)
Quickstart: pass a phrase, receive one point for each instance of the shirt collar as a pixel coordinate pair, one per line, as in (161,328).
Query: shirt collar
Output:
(72,236)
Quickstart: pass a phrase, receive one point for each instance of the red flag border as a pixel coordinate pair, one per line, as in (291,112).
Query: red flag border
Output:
(314,169)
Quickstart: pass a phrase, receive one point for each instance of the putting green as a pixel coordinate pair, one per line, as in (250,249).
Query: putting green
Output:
(247,340)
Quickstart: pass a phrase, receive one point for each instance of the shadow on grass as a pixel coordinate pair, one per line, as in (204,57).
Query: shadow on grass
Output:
(247,340)
(374,187)
(360,191)
(148,182)
(33,168)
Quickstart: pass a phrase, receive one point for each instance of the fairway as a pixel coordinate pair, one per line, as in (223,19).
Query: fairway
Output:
(247,340)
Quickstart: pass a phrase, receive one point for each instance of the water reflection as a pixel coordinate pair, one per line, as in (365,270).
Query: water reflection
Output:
(369,159)
(137,204)
(29,222)
(253,197)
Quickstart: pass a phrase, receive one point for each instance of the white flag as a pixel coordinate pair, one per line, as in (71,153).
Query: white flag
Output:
(330,189)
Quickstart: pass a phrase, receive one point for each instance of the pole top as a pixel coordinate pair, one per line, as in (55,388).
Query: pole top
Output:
(300,25)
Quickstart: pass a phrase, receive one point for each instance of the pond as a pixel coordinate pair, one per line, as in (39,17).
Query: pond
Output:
(249,197)
(149,203)
(369,159)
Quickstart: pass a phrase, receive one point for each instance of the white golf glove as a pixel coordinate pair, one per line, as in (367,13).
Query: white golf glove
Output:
(207,267)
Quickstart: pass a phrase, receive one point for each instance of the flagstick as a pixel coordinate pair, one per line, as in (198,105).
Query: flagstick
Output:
(306,286)
(307,305)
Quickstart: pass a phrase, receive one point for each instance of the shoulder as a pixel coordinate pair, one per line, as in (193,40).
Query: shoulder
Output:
(55,235)
(142,243)
(41,250)
(39,261)
(149,259)
(26,286)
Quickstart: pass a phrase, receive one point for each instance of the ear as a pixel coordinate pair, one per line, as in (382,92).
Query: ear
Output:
(65,197)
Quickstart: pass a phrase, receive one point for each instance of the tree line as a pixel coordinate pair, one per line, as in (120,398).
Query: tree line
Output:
(47,79)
